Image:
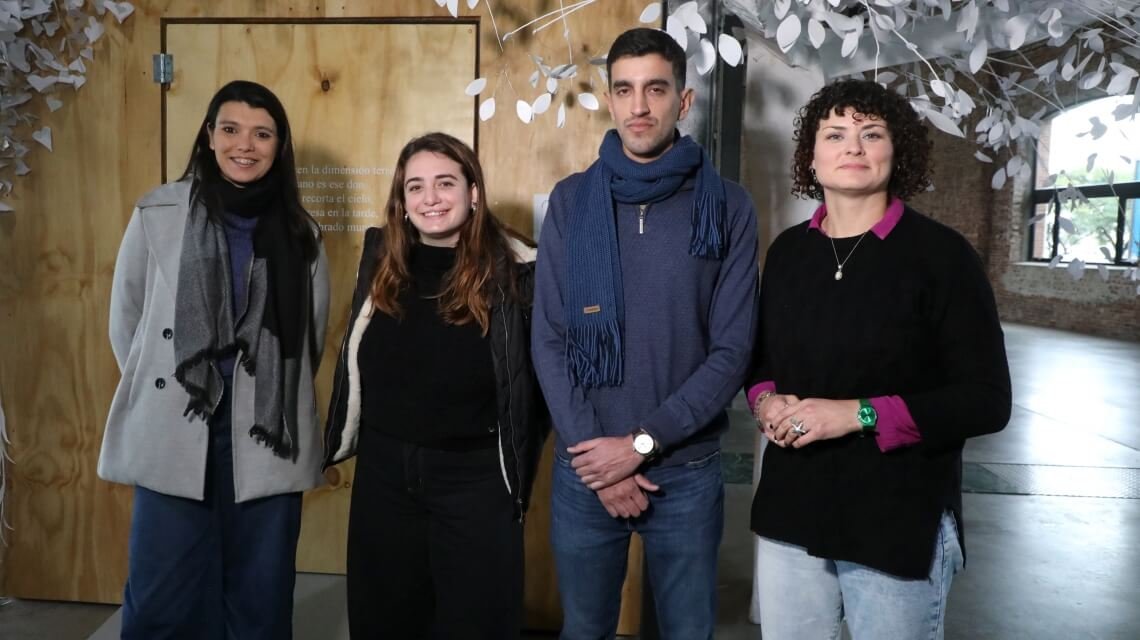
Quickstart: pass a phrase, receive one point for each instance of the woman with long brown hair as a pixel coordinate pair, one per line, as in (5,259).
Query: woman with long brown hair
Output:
(435,394)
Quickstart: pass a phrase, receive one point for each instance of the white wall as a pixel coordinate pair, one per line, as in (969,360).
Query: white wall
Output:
(774,92)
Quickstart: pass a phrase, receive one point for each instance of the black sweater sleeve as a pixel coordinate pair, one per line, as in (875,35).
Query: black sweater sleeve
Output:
(975,397)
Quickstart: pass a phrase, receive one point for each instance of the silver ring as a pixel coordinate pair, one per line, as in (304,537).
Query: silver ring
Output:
(798,427)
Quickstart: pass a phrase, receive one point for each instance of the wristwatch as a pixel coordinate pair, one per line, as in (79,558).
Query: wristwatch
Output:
(867,415)
(644,444)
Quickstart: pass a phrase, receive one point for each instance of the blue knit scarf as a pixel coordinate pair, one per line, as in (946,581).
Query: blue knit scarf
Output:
(593,305)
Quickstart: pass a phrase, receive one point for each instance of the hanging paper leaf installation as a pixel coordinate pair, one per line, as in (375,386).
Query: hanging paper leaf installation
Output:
(43,45)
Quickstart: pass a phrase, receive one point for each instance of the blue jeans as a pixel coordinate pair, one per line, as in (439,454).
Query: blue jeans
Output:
(211,569)
(681,532)
(806,598)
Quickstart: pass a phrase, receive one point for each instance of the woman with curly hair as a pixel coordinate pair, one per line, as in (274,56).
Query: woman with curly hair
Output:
(435,394)
(879,352)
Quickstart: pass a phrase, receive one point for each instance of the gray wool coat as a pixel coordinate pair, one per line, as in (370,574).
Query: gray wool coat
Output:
(148,441)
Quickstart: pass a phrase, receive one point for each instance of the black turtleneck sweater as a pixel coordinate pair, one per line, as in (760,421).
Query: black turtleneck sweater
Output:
(422,380)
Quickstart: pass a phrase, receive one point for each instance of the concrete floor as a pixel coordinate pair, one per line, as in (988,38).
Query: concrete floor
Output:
(1047,557)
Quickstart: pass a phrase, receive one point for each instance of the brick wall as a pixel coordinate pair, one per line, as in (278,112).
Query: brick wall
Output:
(994,221)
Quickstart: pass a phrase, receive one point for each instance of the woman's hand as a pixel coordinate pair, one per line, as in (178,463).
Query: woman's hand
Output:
(801,422)
(768,406)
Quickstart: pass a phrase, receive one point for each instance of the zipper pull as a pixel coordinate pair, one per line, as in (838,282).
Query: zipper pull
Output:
(641,218)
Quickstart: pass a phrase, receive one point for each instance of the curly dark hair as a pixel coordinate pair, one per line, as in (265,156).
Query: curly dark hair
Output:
(910,170)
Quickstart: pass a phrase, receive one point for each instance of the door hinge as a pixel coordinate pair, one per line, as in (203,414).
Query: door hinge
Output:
(163,72)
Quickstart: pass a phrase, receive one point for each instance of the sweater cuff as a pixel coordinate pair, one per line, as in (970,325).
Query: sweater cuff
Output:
(757,389)
(895,427)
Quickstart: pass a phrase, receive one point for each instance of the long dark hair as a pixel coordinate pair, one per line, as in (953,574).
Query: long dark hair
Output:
(203,165)
(483,260)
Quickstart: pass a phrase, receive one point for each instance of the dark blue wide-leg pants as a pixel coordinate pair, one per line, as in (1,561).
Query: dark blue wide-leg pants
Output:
(212,569)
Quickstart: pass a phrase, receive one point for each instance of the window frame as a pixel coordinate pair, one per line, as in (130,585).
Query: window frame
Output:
(1122,191)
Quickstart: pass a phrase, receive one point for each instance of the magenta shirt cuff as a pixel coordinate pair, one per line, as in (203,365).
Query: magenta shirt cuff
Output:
(895,427)
(757,389)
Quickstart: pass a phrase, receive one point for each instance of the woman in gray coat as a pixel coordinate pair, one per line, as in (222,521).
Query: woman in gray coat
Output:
(218,311)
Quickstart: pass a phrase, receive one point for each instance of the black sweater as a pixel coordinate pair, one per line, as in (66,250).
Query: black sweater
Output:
(422,380)
(913,316)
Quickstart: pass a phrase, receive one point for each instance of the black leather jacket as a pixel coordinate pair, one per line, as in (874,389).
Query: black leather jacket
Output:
(524,420)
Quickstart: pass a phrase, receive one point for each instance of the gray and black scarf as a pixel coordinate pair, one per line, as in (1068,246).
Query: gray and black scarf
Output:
(269,336)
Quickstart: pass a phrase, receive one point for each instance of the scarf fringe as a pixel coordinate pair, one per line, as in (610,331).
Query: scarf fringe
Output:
(593,354)
(708,239)
(280,445)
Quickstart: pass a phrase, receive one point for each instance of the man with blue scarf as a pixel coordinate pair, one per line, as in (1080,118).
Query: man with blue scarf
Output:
(644,314)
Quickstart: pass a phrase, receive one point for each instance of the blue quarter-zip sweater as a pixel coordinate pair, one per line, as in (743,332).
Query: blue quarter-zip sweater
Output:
(688,328)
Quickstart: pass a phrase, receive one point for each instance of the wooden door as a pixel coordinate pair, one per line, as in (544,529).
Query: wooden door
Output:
(355,92)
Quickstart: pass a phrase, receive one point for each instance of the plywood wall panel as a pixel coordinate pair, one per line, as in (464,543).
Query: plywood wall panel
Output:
(56,370)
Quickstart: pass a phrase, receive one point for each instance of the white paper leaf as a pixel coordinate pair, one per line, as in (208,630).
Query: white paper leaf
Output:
(998,180)
(705,58)
(995,134)
(93,30)
(121,10)
(476,87)
(938,88)
(1055,261)
(453,8)
(1047,69)
(884,22)
(5,208)
(1090,163)
(1120,84)
(692,19)
(43,136)
(54,103)
(730,50)
(523,110)
(942,122)
(982,157)
(1092,80)
(22,169)
(487,109)
(676,29)
(551,84)
(1017,28)
(780,8)
(1103,270)
(561,121)
(588,100)
(651,14)
(534,78)
(788,32)
(471,4)
(978,55)
(1013,166)
(850,44)
(1076,269)
(886,77)
(39,83)
(1106,253)
(541,104)
(1066,225)
(816,33)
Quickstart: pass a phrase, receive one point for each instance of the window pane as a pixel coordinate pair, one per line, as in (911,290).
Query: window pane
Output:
(1092,232)
(1041,233)
(1067,142)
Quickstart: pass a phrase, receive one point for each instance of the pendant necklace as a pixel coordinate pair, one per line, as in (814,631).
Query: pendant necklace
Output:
(838,264)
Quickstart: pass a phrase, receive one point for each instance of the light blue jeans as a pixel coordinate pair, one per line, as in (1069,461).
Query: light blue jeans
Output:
(807,598)
(681,532)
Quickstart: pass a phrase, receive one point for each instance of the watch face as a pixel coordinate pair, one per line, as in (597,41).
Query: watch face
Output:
(643,444)
(867,416)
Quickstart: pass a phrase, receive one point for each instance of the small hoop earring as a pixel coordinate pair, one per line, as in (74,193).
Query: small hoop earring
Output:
(474,205)
(406,216)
